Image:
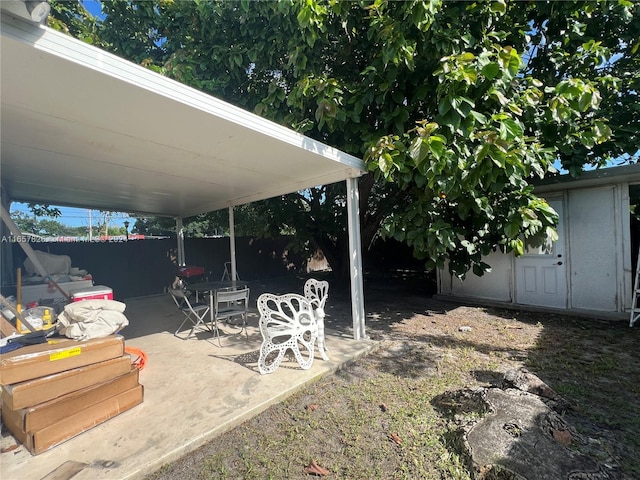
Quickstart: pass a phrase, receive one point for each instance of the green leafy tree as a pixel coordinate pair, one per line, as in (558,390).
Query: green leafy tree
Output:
(53,228)
(500,123)
(45,227)
(73,19)
(25,222)
(214,223)
(458,107)
(30,223)
(39,210)
(154,226)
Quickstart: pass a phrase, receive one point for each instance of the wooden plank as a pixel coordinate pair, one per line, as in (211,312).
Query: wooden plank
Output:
(6,328)
(13,310)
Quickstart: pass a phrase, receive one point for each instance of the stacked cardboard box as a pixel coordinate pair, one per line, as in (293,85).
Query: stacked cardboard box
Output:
(54,391)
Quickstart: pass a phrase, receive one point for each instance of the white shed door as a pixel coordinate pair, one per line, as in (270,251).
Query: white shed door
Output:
(541,273)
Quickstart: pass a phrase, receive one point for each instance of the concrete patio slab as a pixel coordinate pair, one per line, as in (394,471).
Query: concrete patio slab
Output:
(194,390)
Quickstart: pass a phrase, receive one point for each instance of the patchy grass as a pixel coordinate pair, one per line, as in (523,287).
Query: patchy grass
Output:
(383,416)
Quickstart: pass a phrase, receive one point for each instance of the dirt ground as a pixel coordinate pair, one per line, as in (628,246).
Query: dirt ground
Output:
(383,416)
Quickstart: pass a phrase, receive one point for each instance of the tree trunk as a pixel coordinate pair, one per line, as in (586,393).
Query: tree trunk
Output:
(337,251)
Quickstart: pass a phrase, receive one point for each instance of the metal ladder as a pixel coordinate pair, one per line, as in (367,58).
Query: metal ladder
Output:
(635,309)
(226,275)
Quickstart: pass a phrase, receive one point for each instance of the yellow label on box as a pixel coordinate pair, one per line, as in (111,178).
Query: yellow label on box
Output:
(72,352)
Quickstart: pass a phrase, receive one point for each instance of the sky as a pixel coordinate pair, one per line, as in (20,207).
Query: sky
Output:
(94,7)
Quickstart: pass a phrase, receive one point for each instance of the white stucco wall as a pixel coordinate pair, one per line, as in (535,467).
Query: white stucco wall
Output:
(495,285)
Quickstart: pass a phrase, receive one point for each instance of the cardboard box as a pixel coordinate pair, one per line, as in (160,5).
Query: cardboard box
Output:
(58,355)
(76,423)
(39,390)
(99,292)
(38,417)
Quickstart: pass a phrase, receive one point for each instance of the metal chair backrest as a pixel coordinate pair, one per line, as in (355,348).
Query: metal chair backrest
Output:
(230,303)
(181,299)
(317,292)
(194,313)
(286,323)
(232,296)
(178,296)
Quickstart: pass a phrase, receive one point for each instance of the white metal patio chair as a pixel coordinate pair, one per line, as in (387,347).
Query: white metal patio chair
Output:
(317,292)
(286,323)
(193,312)
(228,304)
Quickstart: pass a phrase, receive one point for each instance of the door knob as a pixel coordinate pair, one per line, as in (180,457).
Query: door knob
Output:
(559,263)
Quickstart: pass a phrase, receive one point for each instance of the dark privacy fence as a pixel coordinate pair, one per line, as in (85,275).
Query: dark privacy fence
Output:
(140,267)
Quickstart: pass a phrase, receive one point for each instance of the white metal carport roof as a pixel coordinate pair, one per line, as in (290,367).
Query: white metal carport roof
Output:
(82,127)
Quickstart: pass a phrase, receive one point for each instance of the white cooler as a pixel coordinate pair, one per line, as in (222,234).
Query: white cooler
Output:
(43,291)
(98,292)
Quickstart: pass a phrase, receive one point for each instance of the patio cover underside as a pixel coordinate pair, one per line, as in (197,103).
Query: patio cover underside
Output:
(81,127)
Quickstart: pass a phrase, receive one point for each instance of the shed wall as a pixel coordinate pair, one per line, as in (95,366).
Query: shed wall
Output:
(598,252)
(495,285)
